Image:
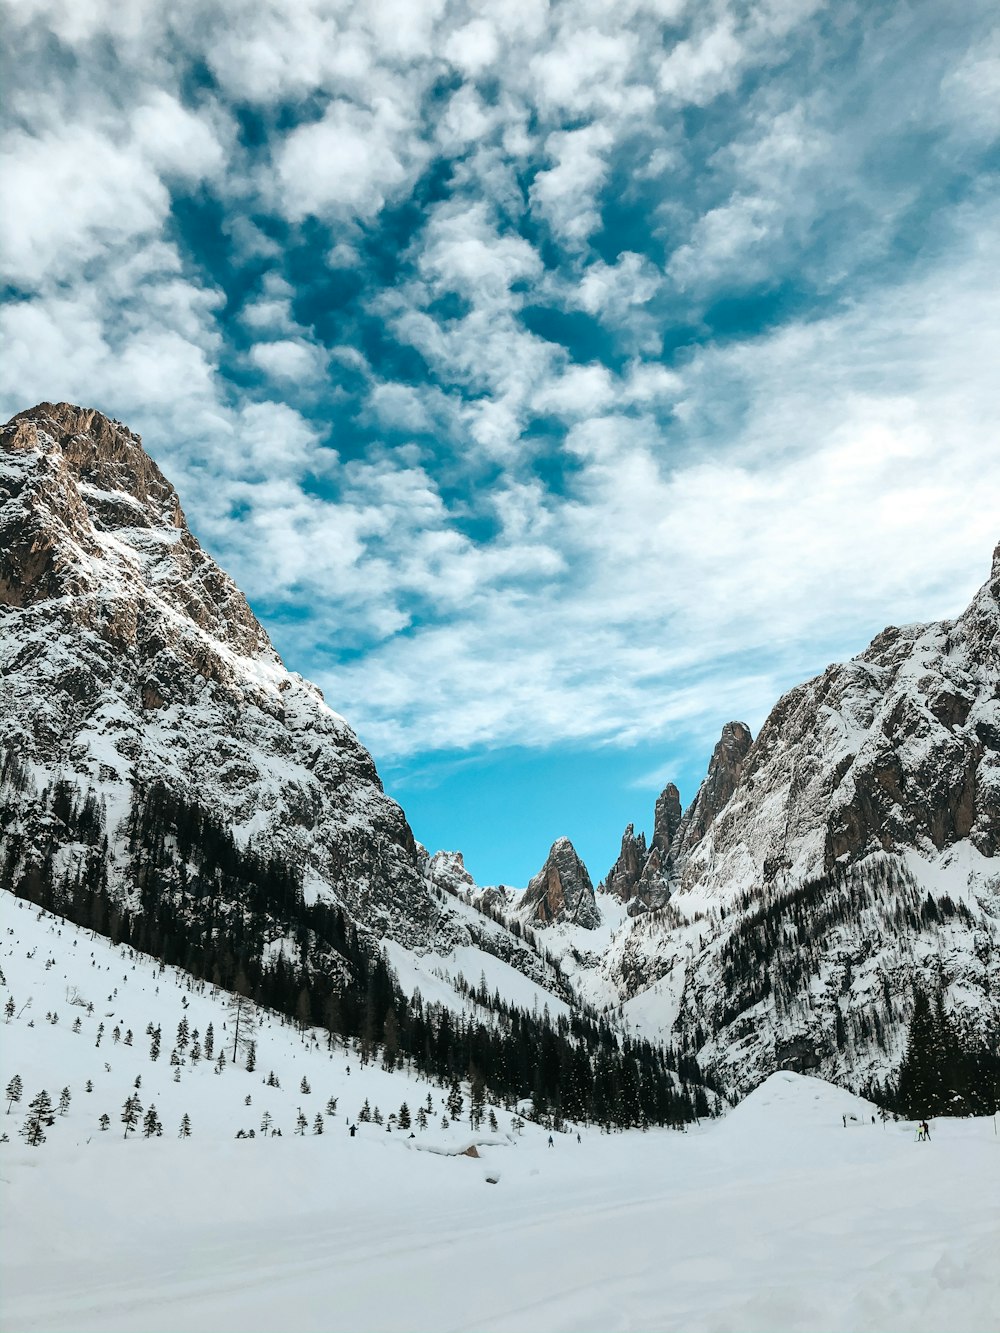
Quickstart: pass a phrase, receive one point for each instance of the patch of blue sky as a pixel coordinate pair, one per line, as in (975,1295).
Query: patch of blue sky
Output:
(511,804)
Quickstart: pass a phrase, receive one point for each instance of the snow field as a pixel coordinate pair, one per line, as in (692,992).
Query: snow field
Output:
(777,1218)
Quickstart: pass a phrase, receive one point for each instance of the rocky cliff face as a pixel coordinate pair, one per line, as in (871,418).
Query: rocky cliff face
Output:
(561,891)
(844,855)
(128,656)
(641,878)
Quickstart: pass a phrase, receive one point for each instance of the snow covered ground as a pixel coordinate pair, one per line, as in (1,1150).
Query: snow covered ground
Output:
(779,1217)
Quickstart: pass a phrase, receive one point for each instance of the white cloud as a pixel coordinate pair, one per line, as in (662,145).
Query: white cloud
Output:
(347,164)
(175,141)
(565,194)
(473,47)
(289,359)
(724,239)
(699,69)
(77,195)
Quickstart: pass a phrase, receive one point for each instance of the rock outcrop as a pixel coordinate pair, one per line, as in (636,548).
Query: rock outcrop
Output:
(641,877)
(561,891)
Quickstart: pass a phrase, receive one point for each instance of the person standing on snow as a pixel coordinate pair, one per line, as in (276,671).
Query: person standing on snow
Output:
(550,1140)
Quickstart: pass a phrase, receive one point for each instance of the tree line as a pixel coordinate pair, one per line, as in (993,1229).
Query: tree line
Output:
(238,919)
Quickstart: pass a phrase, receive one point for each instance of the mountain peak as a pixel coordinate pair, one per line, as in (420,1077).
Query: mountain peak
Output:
(562,890)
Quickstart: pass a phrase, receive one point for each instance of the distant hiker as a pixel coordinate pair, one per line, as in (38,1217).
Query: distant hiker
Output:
(873,1120)
(844,1118)
(354,1130)
(578,1139)
(550,1140)
(925,1130)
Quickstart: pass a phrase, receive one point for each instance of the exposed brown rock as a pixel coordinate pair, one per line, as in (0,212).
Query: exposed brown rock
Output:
(562,890)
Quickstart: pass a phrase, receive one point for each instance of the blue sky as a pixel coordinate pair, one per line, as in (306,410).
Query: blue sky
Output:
(559,381)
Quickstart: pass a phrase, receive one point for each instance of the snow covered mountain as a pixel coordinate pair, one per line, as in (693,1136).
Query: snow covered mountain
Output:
(129,658)
(828,869)
(155,753)
(165,781)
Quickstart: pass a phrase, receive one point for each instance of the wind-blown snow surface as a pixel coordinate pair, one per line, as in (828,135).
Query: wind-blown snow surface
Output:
(777,1218)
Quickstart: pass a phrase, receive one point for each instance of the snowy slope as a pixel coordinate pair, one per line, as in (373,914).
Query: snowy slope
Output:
(778,1218)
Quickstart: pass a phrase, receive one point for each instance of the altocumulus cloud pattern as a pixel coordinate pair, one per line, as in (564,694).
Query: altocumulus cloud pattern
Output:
(548,374)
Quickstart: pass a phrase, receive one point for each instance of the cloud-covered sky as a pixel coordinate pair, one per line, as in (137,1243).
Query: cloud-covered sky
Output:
(559,380)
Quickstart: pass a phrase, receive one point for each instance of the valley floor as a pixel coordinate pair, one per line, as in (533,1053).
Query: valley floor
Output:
(795,1212)
(779,1218)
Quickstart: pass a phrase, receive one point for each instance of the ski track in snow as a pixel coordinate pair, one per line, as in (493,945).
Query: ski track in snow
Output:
(777,1218)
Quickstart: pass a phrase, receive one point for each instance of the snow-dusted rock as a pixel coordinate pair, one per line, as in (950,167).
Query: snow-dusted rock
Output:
(128,656)
(561,891)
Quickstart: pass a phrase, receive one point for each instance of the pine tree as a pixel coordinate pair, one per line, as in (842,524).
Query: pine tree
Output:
(13,1092)
(301,1123)
(365,1114)
(9,1008)
(422,1117)
(185,1126)
(130,1114)
(64,1099)
(104,1121)
(209,1041)
(455,1100)
(151,1124)
(251,1057)
(242,1013)
(266,1121)
(304,1085)
(404,1117)
(318,1124)
(331,1106)
(154,1045)
(40,1117)
(377,1116)
(88,1086)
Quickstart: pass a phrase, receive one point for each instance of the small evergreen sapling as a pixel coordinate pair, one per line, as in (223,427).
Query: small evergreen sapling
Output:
(64,1099)
(105,1121)
(151,1124)
(304,1085)
(131,1112)
(13,1091)
(318,1124)
(185,1126)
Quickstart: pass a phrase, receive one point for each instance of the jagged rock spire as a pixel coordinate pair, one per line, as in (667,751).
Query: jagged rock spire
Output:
(625,873)
(720,782)
(561,891)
